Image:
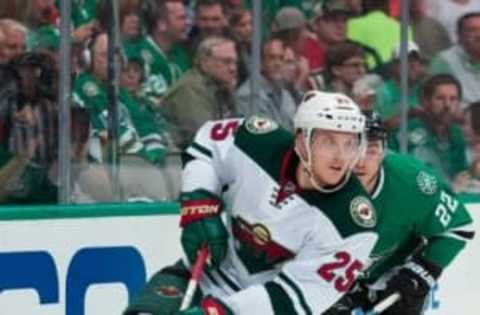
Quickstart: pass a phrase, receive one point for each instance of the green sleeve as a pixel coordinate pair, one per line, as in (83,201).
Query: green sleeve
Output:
(447,228)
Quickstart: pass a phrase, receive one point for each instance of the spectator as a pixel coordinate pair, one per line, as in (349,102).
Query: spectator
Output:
(210,20)
(448,12)
(15,38)
(290,26)
(364,91)
(205,92)
(241,29)
(41,13)
(294,69)
(463,59)
(376,30)
(130,28)
(274,100)
(138,176)
(345,65)
(27,141)
(387,101)
(3,47)
(330,25)
(428,33)
(150,122)
(166,25)
(434,137)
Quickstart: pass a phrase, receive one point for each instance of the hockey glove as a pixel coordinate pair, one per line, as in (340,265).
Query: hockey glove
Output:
(413,281)
(202,225)
(357,297)
(210,306)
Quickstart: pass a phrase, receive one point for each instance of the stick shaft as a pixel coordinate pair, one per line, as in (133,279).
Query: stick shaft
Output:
(385,303)
(197,271)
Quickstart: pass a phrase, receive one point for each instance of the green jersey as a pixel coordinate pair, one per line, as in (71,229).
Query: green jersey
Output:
(446,156)
(413,203)
(161,70)
(151,125)
(83,11)
(92,94)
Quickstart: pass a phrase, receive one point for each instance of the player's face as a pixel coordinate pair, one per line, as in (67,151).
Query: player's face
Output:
(367,168)
(332,155)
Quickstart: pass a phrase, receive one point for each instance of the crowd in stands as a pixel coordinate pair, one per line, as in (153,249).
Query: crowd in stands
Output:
(188,61)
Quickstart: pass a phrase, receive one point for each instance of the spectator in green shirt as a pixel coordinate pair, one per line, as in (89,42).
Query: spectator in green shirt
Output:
(433,136)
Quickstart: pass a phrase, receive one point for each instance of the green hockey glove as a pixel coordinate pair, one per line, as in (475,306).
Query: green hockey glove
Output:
(202,225)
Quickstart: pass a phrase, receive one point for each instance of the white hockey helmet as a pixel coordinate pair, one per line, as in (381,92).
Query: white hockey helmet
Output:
(329,111)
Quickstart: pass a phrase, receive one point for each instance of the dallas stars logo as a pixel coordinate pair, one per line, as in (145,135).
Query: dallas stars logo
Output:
(427,183)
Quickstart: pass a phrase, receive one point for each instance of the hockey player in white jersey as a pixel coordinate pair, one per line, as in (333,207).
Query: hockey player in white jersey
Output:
(287,227)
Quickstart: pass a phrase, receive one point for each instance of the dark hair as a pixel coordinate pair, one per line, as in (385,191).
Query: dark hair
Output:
(268,41)
(372,5)
(154,10)
(208,3)
(461,21)
(434,81)
(374,126)
(338,53)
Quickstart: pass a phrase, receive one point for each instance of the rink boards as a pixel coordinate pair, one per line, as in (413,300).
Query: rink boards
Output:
(92,259)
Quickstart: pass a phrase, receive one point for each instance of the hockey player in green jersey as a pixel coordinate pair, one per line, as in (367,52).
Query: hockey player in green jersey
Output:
(422,227)
(287,227)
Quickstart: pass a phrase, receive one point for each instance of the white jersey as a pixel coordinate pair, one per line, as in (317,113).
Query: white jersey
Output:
(290,251)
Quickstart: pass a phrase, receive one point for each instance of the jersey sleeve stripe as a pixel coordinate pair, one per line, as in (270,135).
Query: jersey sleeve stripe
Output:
(281,302)
(469,235)
(228,281)
(201,149)
(297,291)
(210,277)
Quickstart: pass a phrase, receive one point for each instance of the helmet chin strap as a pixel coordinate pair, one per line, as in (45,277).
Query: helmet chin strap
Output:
(307,165)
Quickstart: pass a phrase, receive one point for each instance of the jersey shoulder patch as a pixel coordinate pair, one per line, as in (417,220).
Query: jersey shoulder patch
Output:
(260,125)
(427,183)
(350,209)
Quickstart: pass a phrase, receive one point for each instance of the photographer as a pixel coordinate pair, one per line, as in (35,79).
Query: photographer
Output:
(27,129)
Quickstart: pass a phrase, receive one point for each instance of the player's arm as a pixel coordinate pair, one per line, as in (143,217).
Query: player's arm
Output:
(207,168)
(446,229)
(309,284)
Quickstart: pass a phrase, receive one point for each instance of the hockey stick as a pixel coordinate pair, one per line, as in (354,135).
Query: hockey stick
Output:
(385,303)
(197,270)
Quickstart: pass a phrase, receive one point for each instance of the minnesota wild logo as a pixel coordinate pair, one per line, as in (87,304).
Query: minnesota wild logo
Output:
(169,291)
(363,212)
(256,248)
(260,125)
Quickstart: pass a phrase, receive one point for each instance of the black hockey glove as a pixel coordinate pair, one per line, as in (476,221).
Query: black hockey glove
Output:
(357,297)
(413,281)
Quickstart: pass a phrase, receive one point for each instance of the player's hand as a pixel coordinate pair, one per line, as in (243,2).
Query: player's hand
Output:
(202,225)
(210,306)
(413,281)
(357,297)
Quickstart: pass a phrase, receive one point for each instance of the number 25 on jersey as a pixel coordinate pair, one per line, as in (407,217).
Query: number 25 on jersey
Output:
(343,271)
